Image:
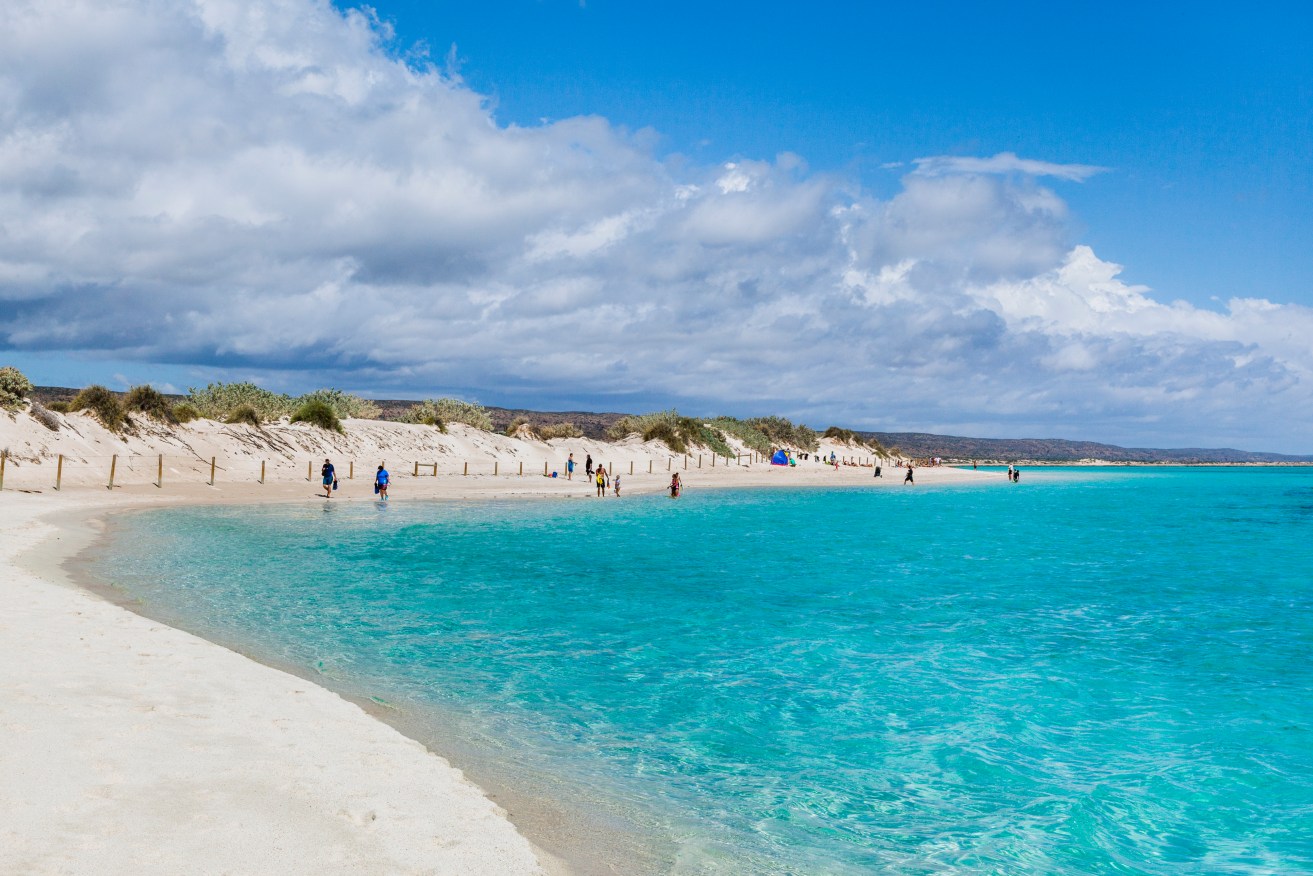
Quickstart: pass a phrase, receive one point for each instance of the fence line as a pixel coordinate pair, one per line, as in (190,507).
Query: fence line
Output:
(115,471)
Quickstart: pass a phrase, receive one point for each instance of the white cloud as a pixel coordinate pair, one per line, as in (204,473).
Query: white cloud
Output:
(258,187)
(1003,163)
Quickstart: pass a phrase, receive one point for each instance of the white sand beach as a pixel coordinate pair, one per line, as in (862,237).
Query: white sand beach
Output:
(132,747)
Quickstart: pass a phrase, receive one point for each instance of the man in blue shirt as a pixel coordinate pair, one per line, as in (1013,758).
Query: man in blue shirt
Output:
(381,483)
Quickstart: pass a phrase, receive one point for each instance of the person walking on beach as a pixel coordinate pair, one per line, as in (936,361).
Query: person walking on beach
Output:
(877,471)
(601,482)
(329,475)
(588,465)
(569,468)
(908,479)
(381,478)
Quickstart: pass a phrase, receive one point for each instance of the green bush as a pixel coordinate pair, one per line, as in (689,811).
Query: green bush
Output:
(244,414)
(515,425)
(218,400)
(185,412)
(14,387)
(678,432)
(104,404)
(150,402)
(784,433)
(58,407)
(844,436)
(440,412)
(549,431)
(318,413)
(344,405)
(751,436)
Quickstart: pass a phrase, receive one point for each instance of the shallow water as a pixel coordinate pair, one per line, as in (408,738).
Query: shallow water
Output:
(1092,671)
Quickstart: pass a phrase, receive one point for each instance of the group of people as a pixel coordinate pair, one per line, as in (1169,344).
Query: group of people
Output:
(599,476)
(1014,473)
(328,476)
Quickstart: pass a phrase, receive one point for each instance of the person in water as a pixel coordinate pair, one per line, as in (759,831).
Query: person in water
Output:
(601,481)
(908,479)
(381,478)
(675,486)
(329,476)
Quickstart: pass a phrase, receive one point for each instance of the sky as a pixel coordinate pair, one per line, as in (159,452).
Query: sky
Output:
(1003,220)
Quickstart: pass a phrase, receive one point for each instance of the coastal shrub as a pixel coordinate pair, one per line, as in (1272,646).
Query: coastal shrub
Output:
(102,403)
(58,407)
(423,414)
(440,412)
(149,401)
(217,400)
(14,387)
(318,413)
(244,414)
(44,416)
(751,436)
(677,431)
(667,433)
(843,436)
(512,430)
(185,412)
(344,404)
(548,431)
(784,433)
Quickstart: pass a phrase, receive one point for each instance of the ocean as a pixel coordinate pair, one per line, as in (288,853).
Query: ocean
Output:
(1091,671)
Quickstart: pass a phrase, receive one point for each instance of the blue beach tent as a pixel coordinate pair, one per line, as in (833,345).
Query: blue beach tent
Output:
(780,458)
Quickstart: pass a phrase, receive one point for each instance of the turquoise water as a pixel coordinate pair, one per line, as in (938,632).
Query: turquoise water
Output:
(1096,671)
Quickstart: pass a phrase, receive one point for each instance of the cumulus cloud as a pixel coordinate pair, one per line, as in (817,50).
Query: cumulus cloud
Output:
(259,186)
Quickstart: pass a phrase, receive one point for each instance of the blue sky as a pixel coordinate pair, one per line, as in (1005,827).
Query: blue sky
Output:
(1203,113)
(1014,220)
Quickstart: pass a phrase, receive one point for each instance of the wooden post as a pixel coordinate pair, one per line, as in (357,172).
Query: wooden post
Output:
(649,466)
(669,462)
(59,471)
(544,468)
(713,460)
(494,467)
(416,473)
(4,455)
(351,470)
(159,475)
(521,468)
(262,471)
(113,462)
(467,469)
(212,459)
(308,464)
(685,462)
(631,466)
(435,469)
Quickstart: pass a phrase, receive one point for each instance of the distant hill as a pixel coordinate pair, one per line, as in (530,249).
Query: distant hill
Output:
(918,445)
(958,449)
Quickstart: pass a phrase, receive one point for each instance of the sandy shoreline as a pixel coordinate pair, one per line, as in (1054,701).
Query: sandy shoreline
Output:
(135,747)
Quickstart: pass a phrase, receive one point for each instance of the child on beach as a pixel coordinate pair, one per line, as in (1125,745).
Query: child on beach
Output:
(617,485)
(329,475)
(381,483)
